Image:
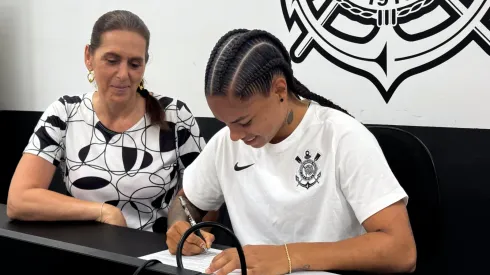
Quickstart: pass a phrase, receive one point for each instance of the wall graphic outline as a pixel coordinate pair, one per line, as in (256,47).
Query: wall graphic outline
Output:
(387,54)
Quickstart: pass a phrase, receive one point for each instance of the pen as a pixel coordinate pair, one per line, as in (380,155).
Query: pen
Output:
(192,221)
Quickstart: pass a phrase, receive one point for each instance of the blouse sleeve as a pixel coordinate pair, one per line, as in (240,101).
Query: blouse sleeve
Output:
(189,140)
(48,138)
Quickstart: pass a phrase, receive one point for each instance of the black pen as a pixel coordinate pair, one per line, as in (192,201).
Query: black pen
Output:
(192,221)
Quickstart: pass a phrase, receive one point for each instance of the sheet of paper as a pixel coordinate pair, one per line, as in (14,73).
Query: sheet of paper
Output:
(197,262)
(202,261)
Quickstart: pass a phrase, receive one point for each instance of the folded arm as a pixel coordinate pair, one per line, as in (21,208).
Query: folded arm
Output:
(387,247)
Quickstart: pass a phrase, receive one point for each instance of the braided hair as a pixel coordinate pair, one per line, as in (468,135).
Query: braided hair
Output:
(246,61)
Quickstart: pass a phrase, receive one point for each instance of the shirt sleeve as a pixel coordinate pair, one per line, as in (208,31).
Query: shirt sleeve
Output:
(201,184)
(365,177)
(48,139)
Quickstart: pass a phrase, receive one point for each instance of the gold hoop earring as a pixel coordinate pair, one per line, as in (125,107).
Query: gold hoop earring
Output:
(90,76)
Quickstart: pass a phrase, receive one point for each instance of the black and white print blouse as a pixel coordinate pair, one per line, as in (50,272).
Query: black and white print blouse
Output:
(138,170)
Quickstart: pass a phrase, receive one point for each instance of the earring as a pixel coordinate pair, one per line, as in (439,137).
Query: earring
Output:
(282,99)
(90,76)
(141,86)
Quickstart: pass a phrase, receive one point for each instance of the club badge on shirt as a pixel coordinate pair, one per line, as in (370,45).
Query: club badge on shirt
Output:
(308,173)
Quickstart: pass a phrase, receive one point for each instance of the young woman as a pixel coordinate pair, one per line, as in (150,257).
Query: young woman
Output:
(122,150)
(307,186)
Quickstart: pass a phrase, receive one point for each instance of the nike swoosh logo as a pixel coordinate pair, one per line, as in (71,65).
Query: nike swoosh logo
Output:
(239,168)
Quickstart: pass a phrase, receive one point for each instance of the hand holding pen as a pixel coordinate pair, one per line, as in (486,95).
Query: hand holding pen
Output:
(196,243)
(193,222)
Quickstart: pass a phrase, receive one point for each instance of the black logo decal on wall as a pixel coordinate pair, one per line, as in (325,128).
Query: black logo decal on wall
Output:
(387,41)
(308,173)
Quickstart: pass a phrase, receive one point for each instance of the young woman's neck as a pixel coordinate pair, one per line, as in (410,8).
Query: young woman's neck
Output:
(296,112)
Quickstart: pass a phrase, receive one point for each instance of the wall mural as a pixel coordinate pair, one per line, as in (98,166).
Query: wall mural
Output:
(387,41)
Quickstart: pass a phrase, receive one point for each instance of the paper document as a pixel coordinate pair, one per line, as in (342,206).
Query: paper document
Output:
(202,261)
(197,263)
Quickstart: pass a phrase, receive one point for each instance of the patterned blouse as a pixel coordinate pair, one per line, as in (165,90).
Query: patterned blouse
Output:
(138,170)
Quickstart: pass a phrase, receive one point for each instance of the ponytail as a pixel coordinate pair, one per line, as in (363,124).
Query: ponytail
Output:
(153,109)
(301,90)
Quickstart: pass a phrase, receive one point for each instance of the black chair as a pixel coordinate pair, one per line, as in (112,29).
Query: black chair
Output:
(413,166)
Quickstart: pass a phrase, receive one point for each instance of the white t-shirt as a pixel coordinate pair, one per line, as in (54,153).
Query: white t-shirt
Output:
(317,185)
(137,170)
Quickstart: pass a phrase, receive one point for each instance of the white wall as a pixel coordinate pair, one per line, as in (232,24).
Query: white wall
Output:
(42,42)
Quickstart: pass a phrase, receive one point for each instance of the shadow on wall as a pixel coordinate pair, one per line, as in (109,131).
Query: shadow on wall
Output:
(15,53)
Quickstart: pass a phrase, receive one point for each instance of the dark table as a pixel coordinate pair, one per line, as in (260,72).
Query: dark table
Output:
(77,247)
(82,248)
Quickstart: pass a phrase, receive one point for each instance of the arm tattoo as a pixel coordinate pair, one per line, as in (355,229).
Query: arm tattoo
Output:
(176,212)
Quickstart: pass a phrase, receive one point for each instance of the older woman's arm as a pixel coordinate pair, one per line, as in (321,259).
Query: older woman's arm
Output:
(29,198)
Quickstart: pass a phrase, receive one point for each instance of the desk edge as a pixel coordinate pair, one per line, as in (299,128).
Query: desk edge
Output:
(89,251)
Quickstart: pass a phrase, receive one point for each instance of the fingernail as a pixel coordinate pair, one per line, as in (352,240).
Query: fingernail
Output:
(208,270)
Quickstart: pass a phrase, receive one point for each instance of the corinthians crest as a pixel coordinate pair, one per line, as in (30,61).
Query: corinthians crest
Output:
(387,41)
(308,173)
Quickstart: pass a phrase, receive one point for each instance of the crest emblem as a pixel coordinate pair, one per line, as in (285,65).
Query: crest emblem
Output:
(308,173)
(387,41)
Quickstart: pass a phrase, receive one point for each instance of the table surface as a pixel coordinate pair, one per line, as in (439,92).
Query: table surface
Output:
(112,244)
(123,244)
(96,235)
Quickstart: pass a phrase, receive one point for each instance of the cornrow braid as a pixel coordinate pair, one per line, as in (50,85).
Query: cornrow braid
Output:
(231,56)
(265,72)
(219,45)
(228,47)
(245,62)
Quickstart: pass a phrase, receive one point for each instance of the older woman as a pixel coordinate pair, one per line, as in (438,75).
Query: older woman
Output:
(122,149)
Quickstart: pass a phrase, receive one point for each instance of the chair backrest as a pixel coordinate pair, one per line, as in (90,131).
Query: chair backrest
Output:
(413,166)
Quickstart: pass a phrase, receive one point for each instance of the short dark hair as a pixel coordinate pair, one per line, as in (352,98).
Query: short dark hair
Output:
(245,61)
(126,20)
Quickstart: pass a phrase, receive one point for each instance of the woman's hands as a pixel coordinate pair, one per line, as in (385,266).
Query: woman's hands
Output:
(193,244)
(111,215)
(260,259)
